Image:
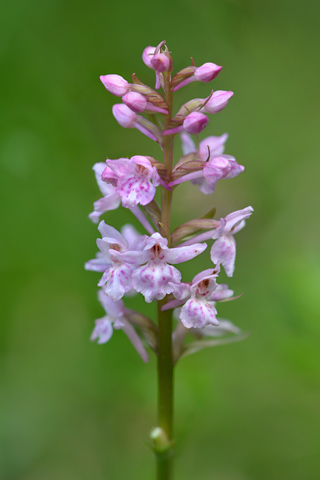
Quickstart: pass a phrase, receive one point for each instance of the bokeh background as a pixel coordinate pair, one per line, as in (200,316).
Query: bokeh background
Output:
(73,410)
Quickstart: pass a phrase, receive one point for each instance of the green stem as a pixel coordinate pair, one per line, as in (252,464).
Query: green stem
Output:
(165,362)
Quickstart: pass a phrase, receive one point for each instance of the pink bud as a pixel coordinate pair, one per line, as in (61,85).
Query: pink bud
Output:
(217,102)
(147,56)
(124,115)
(160,62)
(135,101)
(115,84)
(195,122)
(207,72)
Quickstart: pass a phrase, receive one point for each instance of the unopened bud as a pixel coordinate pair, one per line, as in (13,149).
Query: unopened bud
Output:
(159,439)
(195,122)
(124,115)
(207,72)
(217,102)
(160,62)
(147,56)
(135,101)
(115,84)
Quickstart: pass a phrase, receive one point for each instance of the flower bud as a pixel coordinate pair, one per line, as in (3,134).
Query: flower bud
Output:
(115,84)
(135,101)
(159,438)
(217,102)
(207,72)
(124,115)
(147,56)
(160,62)
(195,122)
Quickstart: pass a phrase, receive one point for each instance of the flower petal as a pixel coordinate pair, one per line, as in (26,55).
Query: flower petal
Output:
(104,204)
(103,330)
(118,280)
(183,254)
(97,264)
(235,217)
(215,144)
(112,308)
(198,313)
(224,251)
(155,280)
(135,340)
(188,145)
(111,233)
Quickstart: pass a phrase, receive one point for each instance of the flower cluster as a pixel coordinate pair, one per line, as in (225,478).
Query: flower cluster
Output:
(131,262)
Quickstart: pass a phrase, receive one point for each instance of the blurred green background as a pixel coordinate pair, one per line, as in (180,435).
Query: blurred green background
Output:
(73,410)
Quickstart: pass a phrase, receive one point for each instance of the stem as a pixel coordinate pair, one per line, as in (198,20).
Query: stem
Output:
(165,362)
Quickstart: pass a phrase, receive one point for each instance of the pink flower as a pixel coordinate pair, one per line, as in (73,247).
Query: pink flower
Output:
(160,62)
(217,102)
(117,275)
(147,56)
(205,73)
(115,319)
(199,300)
(115,84)
(129,119)
(110,199)
(194,123)
(224,248)
(216,168)
(135,101)
(157,277)
(135,179)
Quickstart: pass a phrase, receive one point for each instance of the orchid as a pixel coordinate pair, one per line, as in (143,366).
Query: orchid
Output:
(115,319)
(117,275)
(110,199)
(146,263)
(158,277)
(224,248)
(199,299)
(215,166)
(135,179)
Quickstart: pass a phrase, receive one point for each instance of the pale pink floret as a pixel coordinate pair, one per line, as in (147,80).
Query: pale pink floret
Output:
(115,319)
(216,167)
(115,84)
(160,62)
(199,309)
(147,56)
(157,277)
(135,101)
(194,123)
(224,248)
(135,179)
(129,119)
(117,275)
(205,73)
(212,144)
(110,199)
(217,102)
